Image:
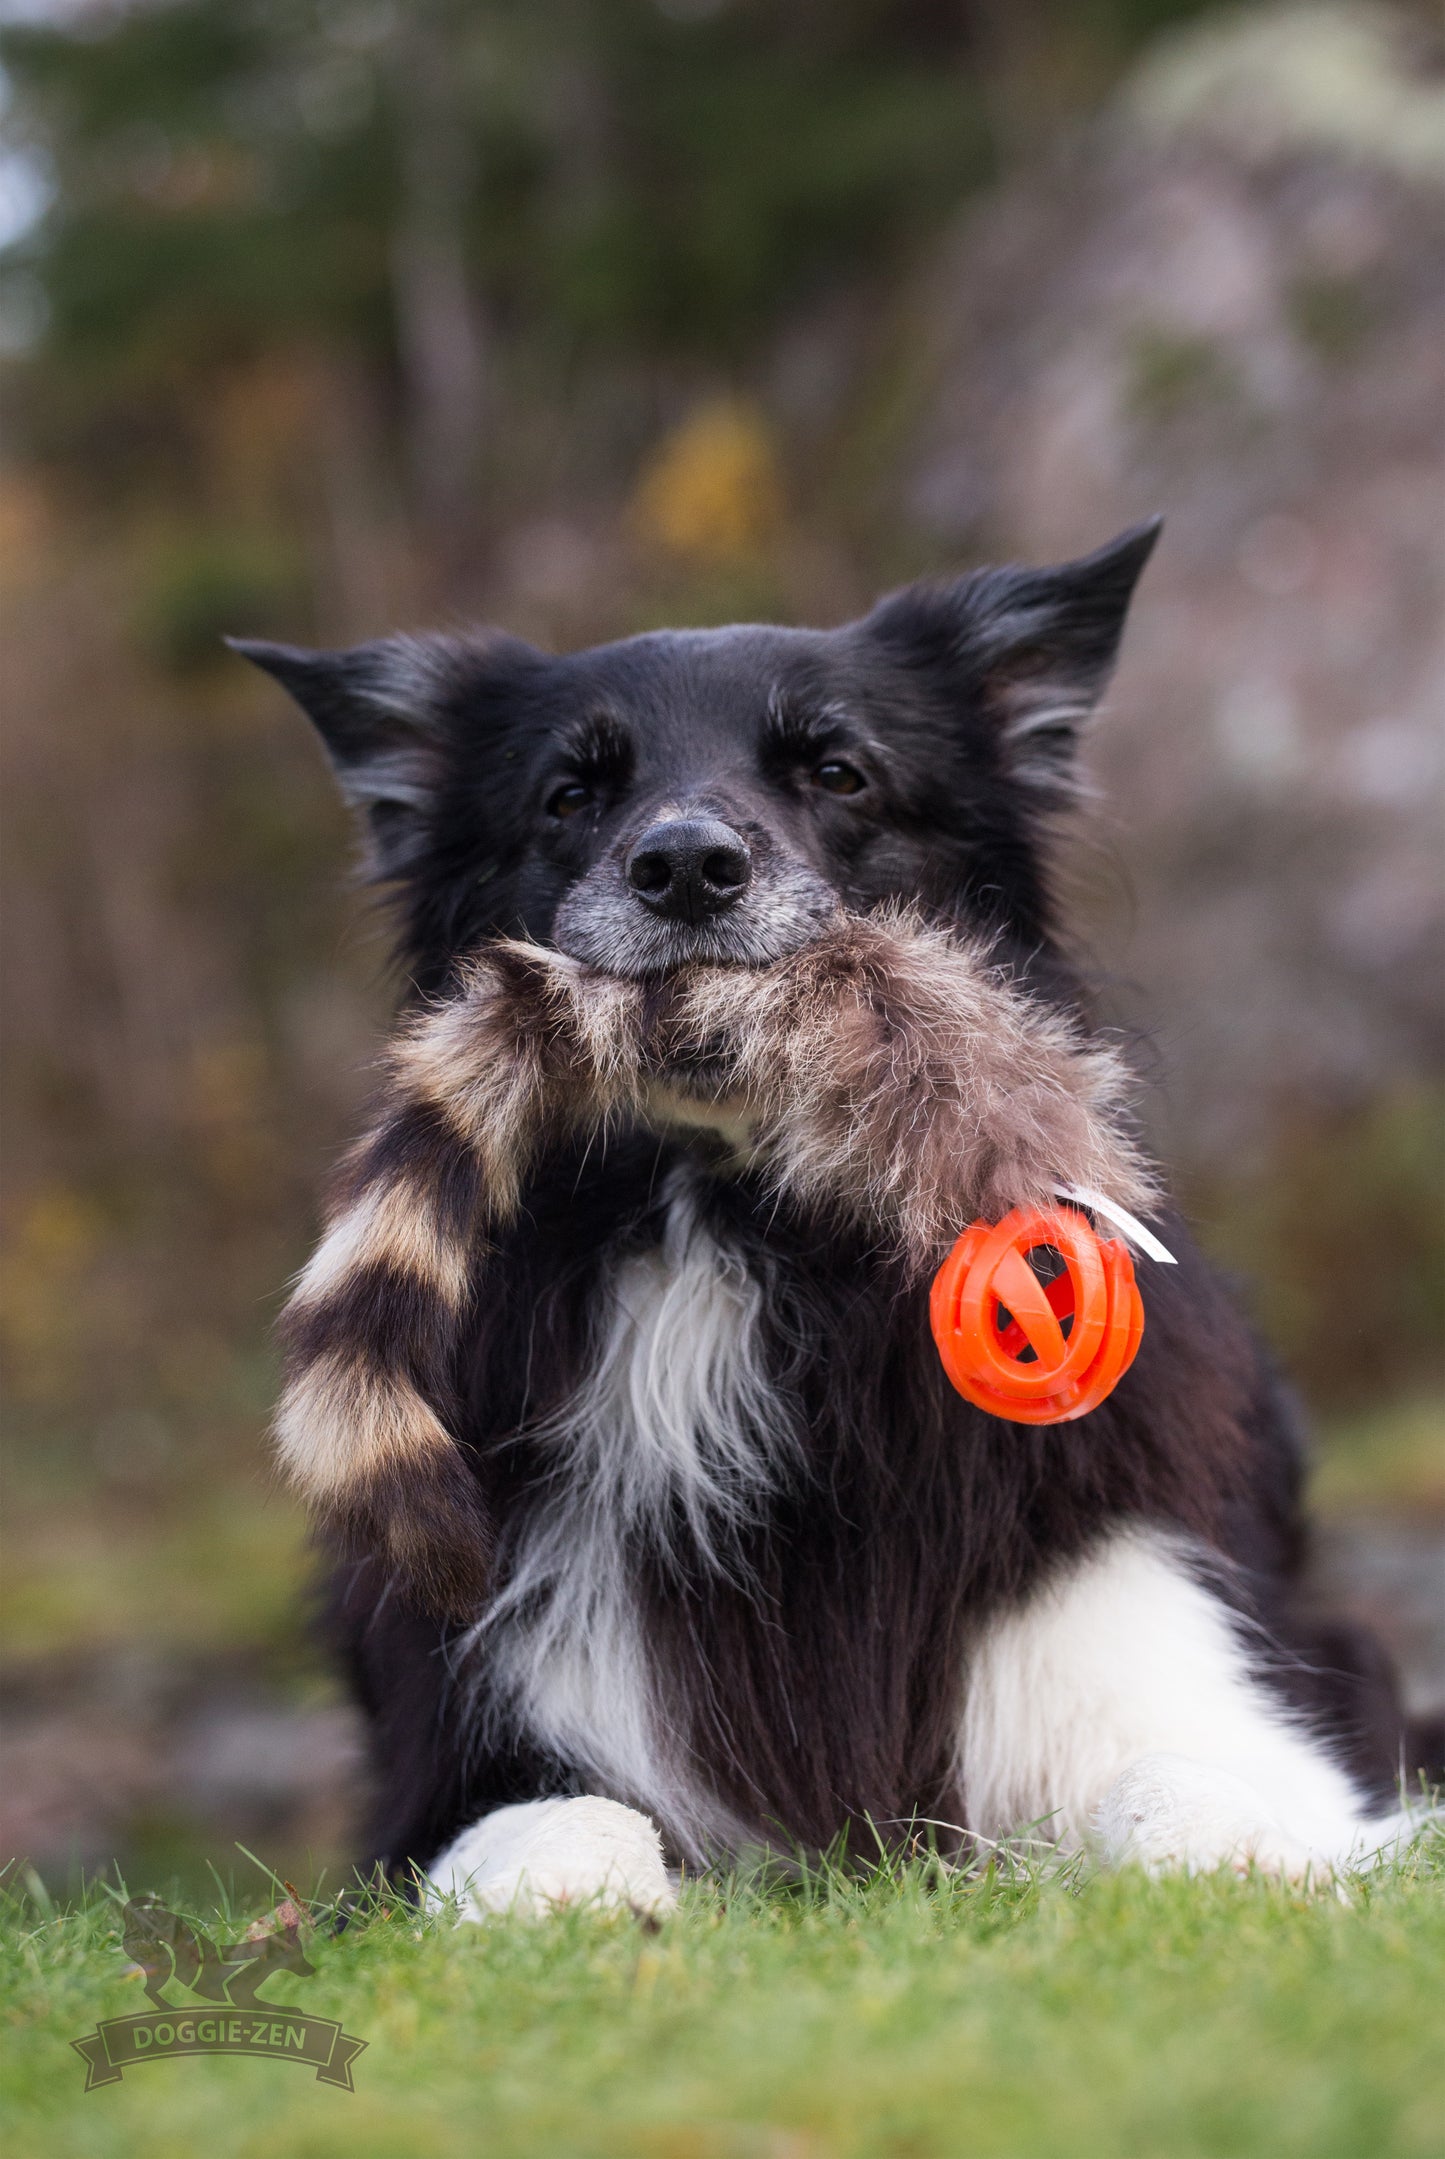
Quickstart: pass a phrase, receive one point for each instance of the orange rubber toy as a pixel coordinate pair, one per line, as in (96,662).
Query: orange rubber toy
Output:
(989,1308)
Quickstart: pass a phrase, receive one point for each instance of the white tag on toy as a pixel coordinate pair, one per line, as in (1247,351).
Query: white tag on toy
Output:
(1121,1218)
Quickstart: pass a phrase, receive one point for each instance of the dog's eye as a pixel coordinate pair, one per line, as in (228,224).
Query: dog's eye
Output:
(836,778)
(567,801)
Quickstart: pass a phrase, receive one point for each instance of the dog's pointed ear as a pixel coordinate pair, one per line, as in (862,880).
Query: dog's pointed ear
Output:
(1031,650)
(380,710)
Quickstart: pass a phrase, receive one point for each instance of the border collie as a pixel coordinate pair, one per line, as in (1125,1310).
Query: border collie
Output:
(658,1532)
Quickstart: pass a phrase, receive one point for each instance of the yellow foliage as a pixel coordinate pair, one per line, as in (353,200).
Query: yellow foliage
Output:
(59,1231)
(712,489)
(43,1268)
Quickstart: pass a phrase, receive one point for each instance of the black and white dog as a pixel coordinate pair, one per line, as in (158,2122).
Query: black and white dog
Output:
(658,1529)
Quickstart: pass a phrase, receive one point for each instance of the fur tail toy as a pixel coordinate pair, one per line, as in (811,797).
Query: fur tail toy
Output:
(885,1076)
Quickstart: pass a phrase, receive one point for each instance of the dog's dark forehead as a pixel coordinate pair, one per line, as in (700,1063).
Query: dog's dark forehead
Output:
(699,680)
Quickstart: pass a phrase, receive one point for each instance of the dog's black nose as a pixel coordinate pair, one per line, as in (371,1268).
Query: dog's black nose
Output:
(688,868)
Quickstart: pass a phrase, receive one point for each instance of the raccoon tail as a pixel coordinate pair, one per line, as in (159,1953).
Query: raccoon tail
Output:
(372,1332)
(903,1081)
(894,1079)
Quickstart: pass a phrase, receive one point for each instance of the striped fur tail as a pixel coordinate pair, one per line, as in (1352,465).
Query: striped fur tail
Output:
(374,1328)
(887,1076)
(900,1081)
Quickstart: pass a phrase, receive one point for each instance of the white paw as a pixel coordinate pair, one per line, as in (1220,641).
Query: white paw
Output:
(1168,1812)
(547,1853)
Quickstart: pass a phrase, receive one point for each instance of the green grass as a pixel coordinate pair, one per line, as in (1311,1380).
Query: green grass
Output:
(905,2015)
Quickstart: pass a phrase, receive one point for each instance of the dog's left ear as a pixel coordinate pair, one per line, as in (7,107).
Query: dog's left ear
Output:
(1029,650)
(378,709)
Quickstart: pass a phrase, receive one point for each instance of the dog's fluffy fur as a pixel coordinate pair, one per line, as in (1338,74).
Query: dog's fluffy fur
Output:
(610,1382)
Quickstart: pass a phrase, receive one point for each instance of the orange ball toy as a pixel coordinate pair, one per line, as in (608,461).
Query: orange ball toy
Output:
(1034,1351)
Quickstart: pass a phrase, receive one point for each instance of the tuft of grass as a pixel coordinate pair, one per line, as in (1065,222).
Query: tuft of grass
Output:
(1017,2013)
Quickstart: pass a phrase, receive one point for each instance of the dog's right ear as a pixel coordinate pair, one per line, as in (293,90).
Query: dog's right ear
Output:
(381,711)
(1029,651)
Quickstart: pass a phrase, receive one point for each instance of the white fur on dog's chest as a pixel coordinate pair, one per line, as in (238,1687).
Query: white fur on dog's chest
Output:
(674,1437)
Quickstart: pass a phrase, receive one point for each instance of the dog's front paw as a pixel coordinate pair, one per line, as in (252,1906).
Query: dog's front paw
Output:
(549,1853)
(1168,1812)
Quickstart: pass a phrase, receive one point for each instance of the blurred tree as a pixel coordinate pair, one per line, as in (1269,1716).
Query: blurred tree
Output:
(438,316)
(340,313)
(425,181)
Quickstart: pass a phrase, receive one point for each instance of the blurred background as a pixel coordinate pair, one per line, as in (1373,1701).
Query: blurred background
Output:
(327,317)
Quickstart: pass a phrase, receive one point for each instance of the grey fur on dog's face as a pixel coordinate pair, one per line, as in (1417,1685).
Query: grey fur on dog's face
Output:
(905,757)
(600,921)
